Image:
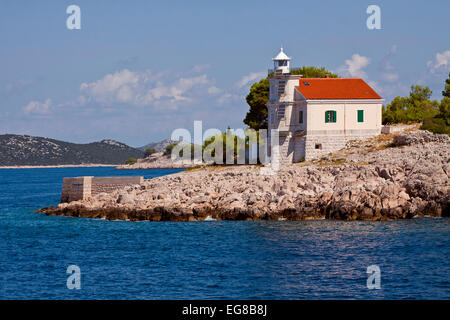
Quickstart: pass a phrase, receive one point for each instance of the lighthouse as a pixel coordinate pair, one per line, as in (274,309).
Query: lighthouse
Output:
(316,116)
(281,62)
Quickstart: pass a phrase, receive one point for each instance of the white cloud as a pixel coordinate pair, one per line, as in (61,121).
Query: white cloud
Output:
(38,108)
(112,87)
(440,62)
(389,77)
(228,98)
(354,67)
(176,91)
(214,90)
(249,78)
(201,68)
(145,89)
(224,98)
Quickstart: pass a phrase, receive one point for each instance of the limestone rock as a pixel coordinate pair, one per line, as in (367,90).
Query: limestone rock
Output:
(388,183)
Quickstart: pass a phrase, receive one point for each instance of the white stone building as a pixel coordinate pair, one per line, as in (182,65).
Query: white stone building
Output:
(316,116)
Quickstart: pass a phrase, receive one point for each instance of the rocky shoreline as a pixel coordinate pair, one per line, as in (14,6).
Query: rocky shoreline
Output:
(157,161)
(397,176)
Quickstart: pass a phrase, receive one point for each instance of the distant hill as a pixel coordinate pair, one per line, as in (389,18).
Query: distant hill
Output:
(159,146)
(16,150)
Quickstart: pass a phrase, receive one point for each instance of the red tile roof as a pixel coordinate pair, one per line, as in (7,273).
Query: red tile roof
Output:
(335,89)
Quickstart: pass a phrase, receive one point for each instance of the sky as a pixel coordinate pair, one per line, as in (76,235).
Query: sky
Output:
(137,70)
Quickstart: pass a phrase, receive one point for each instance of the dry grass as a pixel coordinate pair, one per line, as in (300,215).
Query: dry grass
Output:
(331,162)
(379,147)
(195,168)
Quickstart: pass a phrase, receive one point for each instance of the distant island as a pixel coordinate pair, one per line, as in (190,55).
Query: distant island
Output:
(24,150)
(158,146)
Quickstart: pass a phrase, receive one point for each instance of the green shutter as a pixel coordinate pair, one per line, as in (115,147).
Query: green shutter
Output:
(330,116)
(300,117)
(360,115)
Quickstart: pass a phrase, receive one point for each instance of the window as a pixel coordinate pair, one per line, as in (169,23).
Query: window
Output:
(360,115)
(318,146)
(330,116)
(282,63)
(300,117)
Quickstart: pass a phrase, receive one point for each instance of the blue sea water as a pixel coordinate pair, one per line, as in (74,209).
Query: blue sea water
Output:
(210,259)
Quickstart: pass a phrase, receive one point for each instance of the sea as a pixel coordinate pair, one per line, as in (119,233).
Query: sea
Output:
(319,259)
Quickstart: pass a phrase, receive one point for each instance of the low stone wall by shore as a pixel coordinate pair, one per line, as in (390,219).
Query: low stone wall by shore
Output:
(82,188)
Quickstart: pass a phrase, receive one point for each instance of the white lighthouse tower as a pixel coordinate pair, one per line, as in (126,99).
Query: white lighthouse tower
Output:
(282,114)
(281,62)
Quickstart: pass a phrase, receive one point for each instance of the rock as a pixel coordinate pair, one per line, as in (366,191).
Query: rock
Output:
(389,183)
(419,137)
(125,198)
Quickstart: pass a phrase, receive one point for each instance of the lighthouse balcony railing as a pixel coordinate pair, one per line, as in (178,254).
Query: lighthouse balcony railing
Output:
(272,72)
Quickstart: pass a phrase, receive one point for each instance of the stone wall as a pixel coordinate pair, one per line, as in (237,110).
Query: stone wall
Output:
(317,146)
(77,188)
(314,146)
(81,188)
(299,148)
(386,129)
(286,149)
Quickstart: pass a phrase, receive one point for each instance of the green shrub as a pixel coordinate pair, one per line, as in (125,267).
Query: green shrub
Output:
(414,108)
(169,148)
(131,161)
(436,125)
(148,152)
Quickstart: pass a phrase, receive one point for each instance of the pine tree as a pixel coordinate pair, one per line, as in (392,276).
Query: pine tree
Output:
(446,92)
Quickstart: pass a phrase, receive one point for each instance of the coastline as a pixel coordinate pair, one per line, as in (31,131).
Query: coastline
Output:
(389,177)
(88,165)
(157,161)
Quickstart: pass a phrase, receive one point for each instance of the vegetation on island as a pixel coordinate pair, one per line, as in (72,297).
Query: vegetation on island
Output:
(238,144)
(169,148)
(25,150)
(417,107)
(258,96)
(131,161)
(149,151)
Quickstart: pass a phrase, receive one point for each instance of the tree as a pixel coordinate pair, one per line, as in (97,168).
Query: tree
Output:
(256,117)
(131,161)
(395,111)
(414,108)
(148,152)
(234,149)
(441,122)
(446,92)
(169,148)
(420,106)
(313,72)
(444,110)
